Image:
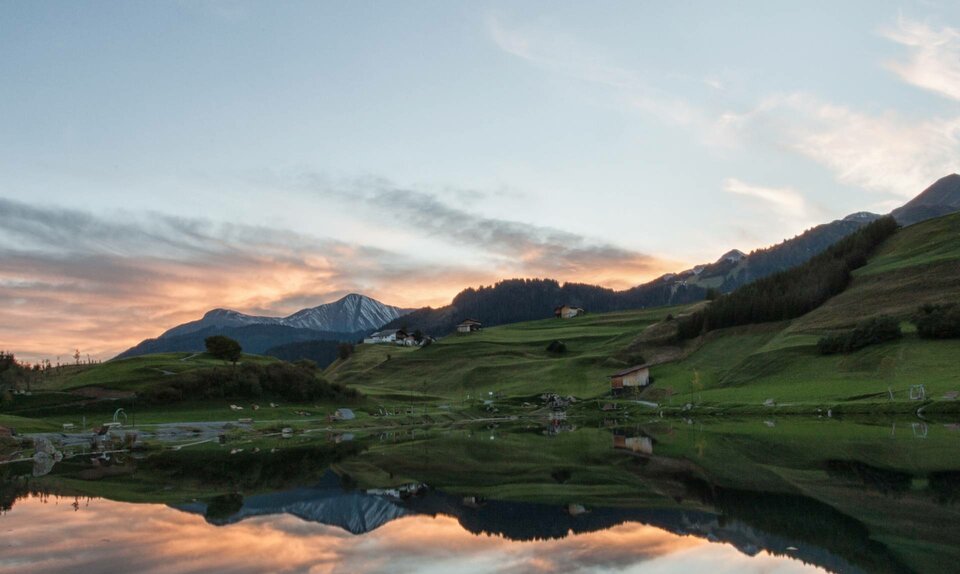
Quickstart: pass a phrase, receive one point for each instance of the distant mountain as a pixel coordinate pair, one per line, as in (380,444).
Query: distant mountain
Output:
(517,300)
(941,198)
(735,268)
(257,339)
(350,314)
(346,319)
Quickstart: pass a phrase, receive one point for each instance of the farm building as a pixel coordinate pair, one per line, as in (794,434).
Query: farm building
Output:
(469,326)
(567,312)
(637,376)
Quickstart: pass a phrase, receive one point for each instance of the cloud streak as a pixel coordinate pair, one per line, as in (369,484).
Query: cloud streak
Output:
(783,200)
(509,245)
(934,56)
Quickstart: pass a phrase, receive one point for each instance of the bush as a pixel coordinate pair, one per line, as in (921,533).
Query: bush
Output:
(223,348)
(557,347)
(345,350)
(938,321)
(866,333)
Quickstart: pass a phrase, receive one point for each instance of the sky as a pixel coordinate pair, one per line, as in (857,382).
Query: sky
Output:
(160,159)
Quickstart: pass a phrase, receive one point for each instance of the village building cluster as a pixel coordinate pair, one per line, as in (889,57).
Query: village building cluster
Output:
(398,337)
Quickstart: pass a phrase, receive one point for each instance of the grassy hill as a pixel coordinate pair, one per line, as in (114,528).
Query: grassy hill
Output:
(510,359)
(743,366)
(136,373)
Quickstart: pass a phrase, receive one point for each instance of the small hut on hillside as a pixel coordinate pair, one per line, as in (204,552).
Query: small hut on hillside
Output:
(469,326)
(636,376)
(567,312)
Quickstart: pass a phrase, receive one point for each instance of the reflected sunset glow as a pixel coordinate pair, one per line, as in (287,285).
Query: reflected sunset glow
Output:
(106,536)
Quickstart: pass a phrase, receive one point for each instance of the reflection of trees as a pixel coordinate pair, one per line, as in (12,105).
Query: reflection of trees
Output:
(808,520)
(945,486)
(218,469)
(883,480)
(223,506)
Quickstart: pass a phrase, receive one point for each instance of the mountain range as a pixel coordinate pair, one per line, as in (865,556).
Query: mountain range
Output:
(346,319)
(517,300)
(314,332)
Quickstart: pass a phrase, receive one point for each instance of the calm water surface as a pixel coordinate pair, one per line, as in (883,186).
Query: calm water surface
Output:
(676,496)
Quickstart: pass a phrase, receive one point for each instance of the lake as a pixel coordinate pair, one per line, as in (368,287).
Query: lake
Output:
(667,495)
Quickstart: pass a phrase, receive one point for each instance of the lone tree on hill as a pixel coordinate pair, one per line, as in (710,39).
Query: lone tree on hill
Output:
(224,348)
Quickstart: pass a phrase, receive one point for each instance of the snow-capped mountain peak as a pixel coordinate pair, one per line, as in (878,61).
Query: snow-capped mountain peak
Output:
(349,314)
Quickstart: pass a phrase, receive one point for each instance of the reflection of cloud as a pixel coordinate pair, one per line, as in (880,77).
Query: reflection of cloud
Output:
(114,537)
(934,62)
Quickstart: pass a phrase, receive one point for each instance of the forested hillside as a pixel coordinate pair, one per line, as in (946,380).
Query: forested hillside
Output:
(795,292)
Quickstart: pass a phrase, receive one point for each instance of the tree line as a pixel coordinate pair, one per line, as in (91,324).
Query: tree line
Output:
(516,300)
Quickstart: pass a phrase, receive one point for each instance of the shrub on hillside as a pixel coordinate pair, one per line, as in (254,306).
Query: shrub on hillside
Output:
(869,332)
(938,321)
(345,350)
(224,348)
(296,383)
(557,347)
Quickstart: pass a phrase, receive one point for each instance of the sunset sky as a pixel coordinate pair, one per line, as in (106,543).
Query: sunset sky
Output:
(159,159)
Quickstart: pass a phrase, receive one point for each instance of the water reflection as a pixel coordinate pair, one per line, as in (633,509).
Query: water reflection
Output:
(666,496)
(106,536)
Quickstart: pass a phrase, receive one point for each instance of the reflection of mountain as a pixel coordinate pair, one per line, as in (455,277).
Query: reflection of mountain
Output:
(360,512)
(354,511)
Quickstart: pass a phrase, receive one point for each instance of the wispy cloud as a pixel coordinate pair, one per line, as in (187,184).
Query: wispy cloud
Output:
(522,247)
(934,56)
(784,201)
(563,54)
(884,153)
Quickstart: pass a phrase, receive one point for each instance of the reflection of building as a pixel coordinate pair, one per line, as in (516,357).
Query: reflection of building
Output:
(638,444)
(636,376)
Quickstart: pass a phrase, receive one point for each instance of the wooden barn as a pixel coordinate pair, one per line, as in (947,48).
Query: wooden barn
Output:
(469,326)
(567,312)
(637,376)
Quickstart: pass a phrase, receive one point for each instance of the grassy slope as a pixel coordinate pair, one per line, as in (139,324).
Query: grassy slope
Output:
(136,373)
(745,365)
(510,358)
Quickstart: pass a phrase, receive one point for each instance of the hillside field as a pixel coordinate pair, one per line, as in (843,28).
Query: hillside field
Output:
(741,366)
